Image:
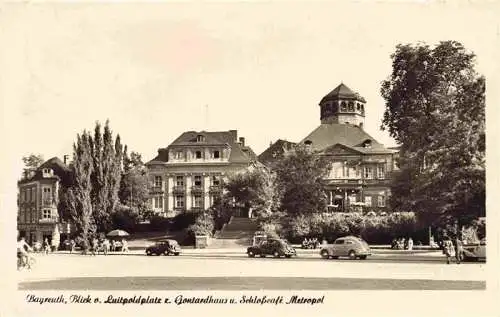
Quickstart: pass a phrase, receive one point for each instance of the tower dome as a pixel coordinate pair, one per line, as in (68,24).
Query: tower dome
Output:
(343,105)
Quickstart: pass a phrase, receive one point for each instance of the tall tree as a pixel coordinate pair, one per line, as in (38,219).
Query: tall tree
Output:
(435,108)
(299,181)
(134,183)
(107,162)
(78,198)
(31,163)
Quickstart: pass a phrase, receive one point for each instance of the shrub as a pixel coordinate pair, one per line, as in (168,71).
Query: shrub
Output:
(203,225)
(159,223)
(125,218)
(183,221)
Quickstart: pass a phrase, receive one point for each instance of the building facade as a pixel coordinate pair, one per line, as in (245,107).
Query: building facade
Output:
(38,198)
(187,175)
(360,167)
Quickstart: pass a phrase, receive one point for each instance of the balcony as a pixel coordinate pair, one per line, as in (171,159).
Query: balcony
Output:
(156,189)
(370,181)
(178,189)
(197,189)
(48,201)
(215,189)
(49,220)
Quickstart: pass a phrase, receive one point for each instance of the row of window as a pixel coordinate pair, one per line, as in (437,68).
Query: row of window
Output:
(180,155)
(29,215)
(179,201)
(381,200)
(350,106)
(341,171)
(179,180)
(29,194)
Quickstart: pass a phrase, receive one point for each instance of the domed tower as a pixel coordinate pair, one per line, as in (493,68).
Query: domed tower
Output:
(344,106)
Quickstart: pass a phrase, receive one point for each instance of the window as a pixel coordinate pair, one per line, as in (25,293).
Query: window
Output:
(47,171)
(179,180)
(198,154)
(358,107)
(179,201)
(368,172)
(197,180)
(46,213)
(216,154)
(368,201)
(381,201)
(352,199)
(158,181)
(351,106)
(343,106)
(381,172)
(339,241)
(200,138)
(46,190)
(179,155)
(198,201)
(158,201)
(215,180)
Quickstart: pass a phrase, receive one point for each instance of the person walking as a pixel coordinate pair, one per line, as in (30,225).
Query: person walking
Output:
(458,249)
(124,245)
(448,248)
(105,246)
(46,246)
(113,246)
(95,245)
(72,245)
(410,244)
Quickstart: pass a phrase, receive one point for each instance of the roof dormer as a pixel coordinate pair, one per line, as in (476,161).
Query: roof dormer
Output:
(200,138)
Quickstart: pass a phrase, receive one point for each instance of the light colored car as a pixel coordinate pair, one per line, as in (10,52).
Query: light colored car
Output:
(349,246)
(474,251)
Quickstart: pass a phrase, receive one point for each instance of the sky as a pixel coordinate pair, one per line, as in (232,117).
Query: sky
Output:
(156,70)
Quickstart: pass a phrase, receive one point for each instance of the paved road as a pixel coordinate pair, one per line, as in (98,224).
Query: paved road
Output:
(233,271)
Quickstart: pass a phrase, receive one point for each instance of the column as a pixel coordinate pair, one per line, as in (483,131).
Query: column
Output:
(206,191)
(188,192)
(170,194)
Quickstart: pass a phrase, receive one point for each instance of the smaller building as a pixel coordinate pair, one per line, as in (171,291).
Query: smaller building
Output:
(38,198)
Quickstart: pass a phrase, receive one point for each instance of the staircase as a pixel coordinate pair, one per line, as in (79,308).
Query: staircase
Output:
(236,234)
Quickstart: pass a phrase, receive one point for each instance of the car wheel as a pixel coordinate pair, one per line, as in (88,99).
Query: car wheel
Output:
(176,253)
(362,257)
(262,255)
(251,254)
(276,254)
(325,254)
(335,257)
(352,255)
(148,253)
(288,256)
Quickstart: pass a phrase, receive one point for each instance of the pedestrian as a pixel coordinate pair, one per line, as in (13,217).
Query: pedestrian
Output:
(113,246)
(105,246)
(410,244)
(448,248)
(458,249)
(95,245)
(72,245)
(46,246)
(124,245)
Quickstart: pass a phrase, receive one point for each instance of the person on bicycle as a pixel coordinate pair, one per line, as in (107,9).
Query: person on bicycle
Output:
(22,251)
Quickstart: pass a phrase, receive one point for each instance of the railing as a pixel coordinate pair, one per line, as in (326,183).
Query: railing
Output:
(196,189)
(49,220)
(178,189)
(48,201)
(156,189)
(366,181)
(215,189)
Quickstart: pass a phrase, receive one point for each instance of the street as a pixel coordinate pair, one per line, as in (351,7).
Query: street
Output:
(233,270)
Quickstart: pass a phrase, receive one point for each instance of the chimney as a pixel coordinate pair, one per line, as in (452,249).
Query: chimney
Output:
(234,135)
(242,141)
(65,158)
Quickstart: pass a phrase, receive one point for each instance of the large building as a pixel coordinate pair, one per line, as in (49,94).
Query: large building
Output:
(186,175)
(38,217)
(361,167)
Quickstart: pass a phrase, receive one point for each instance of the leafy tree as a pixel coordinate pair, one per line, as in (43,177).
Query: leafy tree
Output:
(32,162)
(107,161)
(299,181)
(252,189)
(78,198)
(134,183)
(435,108)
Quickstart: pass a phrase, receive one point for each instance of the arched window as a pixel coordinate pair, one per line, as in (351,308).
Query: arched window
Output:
(200,138)
(351,106)
(343,106)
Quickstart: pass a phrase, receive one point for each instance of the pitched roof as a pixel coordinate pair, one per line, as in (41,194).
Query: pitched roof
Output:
(349,135)
(342,92)
(61,171)
(274,150)
(239,153)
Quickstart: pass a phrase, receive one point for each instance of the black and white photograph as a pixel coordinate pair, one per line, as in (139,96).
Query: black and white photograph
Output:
(188,158)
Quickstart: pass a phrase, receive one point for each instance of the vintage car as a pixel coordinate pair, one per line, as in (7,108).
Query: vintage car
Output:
(274,247)
(474,251)
(165,247)
(349,246)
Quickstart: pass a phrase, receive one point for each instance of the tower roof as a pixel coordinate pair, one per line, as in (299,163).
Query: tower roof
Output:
(342,92)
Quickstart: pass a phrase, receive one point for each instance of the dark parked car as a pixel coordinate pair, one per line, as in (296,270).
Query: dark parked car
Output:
(275,248)
(166,247)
